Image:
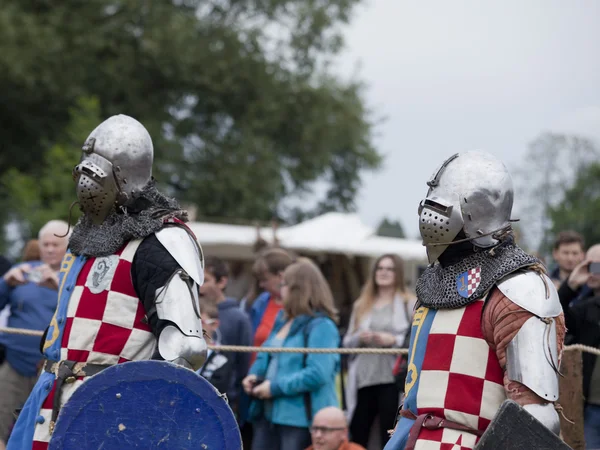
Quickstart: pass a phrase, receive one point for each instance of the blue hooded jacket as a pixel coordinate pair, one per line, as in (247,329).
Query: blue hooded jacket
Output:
(292,378)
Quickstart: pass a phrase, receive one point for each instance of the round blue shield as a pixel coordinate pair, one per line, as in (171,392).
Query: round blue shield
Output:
(146,405)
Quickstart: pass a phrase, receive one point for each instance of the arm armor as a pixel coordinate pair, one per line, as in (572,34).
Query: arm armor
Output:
(546,414)
(181,341)
(532,355)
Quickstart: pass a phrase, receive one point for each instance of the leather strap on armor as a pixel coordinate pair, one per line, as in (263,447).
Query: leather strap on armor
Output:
(67,372)
(431,422)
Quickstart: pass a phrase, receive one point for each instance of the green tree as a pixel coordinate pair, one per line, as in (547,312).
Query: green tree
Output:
(548,170)
(238,96)
(390,228)
(579,209)
(35,198)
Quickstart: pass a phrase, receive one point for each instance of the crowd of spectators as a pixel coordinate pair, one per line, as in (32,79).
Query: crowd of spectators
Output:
(292,401)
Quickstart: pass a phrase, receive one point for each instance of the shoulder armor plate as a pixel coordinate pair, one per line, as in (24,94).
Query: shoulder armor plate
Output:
(185,250)
(532,291)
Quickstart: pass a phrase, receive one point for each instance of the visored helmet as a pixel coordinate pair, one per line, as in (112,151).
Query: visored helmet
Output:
(116,162)
(470,192)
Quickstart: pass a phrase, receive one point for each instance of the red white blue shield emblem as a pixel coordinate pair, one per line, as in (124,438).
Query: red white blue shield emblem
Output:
(467,282)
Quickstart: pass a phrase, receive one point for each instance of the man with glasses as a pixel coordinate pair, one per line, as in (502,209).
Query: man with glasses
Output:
(329,431)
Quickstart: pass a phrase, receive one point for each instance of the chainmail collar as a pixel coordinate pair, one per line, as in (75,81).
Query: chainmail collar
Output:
(142,216)
(438,287)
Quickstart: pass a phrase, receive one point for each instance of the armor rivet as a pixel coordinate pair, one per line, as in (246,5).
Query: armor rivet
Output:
(70,380)
(88,147)
(118,395)
(197,410)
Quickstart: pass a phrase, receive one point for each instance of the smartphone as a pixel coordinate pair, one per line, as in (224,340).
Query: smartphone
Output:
(35,276)
(594,268)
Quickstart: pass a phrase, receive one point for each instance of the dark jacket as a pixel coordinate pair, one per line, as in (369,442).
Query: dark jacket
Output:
(218,369)
(582,319)
(235,329)
(5,265)
(555,274)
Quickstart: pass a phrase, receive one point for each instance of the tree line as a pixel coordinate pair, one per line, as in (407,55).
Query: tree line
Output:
(241,102)
(239,97)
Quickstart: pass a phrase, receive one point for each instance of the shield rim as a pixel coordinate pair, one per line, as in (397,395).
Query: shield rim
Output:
(136,371)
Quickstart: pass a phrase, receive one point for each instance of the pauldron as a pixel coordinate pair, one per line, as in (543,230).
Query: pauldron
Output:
(182,340)
(437,286)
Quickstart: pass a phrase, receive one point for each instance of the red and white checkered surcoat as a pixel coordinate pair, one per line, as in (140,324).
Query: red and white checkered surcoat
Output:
(458,376)
(105,324)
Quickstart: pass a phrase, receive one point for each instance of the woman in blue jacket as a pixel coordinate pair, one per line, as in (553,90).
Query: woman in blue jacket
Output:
(289,388)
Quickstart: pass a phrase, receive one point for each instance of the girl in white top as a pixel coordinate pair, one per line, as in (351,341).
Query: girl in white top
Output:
(380,318)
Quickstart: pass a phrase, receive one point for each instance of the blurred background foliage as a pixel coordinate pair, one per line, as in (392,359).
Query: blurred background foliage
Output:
(249,123)
(238,96)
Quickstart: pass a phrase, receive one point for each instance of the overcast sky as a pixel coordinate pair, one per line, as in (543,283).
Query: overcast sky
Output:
(452,76)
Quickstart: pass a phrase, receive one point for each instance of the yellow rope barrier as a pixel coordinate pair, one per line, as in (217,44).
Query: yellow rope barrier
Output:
(344,351)
(21,331)
(583,348)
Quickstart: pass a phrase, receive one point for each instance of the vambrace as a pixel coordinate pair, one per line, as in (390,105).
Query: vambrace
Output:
(546,415)
(532,357)
(181,341)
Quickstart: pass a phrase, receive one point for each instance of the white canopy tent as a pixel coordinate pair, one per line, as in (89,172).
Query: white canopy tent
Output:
(336,233)
(342,245)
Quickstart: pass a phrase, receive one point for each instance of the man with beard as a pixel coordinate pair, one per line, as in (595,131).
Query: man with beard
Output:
(568,251)
(128,285)
(583,322)
(488,324)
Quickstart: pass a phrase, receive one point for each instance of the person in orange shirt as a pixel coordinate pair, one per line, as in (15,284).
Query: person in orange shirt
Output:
(329,431)
(268,269)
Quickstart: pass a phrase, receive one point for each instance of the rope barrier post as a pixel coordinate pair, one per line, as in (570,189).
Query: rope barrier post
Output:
(571,399)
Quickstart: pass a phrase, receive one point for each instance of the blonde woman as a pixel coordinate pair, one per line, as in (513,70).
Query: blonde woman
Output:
(380,318)
(289,388)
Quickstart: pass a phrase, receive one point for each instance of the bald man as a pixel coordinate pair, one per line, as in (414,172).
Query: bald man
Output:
(582,319)
(329,431)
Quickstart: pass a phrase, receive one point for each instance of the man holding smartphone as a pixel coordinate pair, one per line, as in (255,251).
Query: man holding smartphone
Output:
(30,292)
(583,322)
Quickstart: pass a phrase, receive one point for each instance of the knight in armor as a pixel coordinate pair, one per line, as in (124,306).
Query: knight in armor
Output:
(128,285)
(488,325)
